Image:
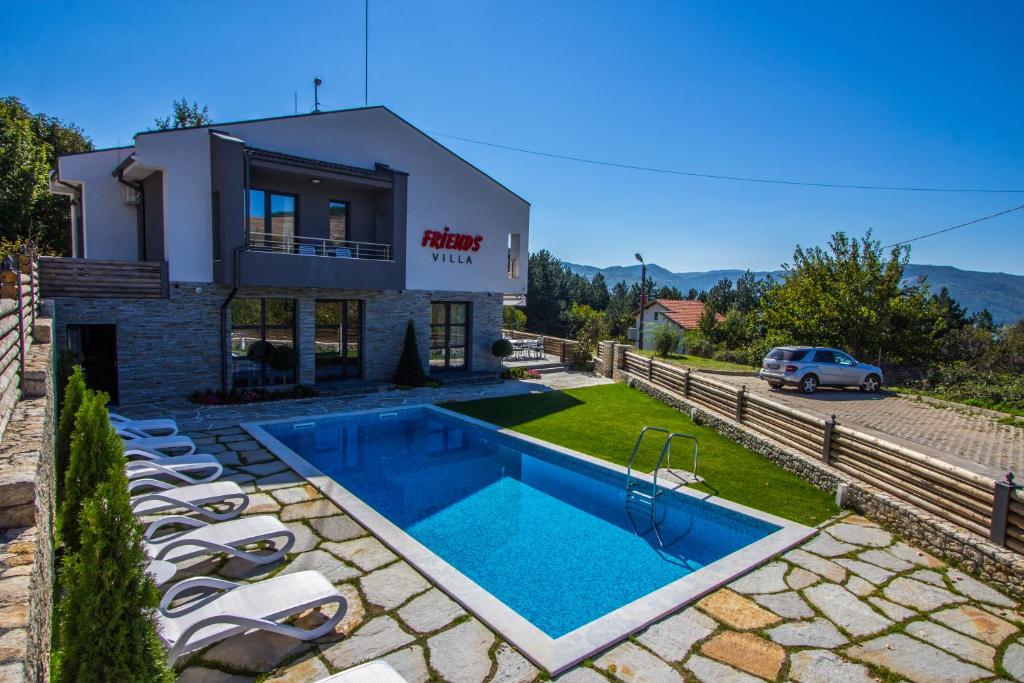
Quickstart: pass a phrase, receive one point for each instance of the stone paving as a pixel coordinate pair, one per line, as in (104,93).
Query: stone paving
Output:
(955,435)
(851,604)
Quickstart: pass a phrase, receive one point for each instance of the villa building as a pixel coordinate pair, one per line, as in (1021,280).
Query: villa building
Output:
(281,251)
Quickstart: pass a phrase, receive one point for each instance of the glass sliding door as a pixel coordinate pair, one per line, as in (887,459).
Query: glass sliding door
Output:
(339,340)
(272,220)
(263,342)
(449,335)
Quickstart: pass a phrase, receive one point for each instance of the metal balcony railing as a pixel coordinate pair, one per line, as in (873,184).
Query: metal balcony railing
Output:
(318,246)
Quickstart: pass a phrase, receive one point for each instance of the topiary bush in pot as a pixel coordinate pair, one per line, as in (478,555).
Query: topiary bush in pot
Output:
(409,372)
(502,348)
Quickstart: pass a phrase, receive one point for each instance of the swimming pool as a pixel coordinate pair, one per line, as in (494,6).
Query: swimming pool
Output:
(531,537)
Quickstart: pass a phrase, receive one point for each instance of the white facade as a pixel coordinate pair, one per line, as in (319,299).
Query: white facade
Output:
(443,191)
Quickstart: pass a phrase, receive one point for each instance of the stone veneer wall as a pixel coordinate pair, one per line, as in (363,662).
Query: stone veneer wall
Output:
(969,551)
(168,348)
(26,526)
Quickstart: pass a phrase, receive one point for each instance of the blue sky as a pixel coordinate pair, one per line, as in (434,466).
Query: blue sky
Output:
(924,94)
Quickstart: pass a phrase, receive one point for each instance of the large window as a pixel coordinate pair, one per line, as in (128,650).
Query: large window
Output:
(272,219)
(263,342)
(339,220)
(338,340)
(449,335)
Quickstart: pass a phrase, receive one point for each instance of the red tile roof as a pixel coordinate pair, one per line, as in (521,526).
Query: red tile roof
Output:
(685,313)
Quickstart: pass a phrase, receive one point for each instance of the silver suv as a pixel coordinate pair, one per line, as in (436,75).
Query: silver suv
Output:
(810,367)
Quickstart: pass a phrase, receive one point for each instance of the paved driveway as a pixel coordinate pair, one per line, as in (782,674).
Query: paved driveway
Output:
(957,435)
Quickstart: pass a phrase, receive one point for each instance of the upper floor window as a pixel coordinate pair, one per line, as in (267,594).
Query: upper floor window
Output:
(272,218)
(339,220)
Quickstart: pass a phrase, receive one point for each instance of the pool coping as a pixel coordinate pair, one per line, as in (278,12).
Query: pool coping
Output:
(553,654)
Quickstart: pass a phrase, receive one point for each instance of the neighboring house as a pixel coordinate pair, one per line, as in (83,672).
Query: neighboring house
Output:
(281,251)
(682,313)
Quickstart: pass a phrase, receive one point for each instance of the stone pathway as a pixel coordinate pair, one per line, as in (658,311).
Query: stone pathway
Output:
(852,604)
(964,437)
(192,417)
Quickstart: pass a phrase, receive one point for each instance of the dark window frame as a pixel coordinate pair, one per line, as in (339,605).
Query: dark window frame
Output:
(262,326)
(344,335)
(267,215)
(447,325)
(348,219)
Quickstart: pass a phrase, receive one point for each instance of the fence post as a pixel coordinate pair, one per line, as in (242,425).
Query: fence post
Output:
(686,383)
(650,369)
(739,402)
(826,446)
(1001,509)
(19,300)
(561,352)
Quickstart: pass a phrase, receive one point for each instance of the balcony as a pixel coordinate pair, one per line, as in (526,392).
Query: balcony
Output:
(318,246)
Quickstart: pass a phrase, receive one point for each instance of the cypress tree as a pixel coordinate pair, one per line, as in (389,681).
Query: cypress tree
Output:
(74,392)
(95,448)
(410,370)
(106,617)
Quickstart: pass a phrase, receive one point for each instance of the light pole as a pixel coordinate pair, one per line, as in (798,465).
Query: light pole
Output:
(643,301)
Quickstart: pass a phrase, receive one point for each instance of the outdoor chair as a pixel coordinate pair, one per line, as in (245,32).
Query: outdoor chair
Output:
(377,671)
(236,608)
(179,469)
(159,427)
(197,498)
(343,252)
(204,538)
(538,347)
(307,250)
(168,445)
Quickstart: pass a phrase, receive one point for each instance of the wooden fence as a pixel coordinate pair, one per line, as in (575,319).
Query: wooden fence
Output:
(994,509)
(71,277)
(556,346)
(19,304)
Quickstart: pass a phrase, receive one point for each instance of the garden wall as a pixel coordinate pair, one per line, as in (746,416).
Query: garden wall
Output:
(933,532)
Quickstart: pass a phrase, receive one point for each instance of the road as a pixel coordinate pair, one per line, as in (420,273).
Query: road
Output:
(957,435)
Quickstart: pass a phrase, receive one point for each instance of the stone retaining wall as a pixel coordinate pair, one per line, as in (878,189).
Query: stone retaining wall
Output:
(26,528)
(970,552)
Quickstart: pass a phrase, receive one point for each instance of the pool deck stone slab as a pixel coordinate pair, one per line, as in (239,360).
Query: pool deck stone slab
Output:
(939,633)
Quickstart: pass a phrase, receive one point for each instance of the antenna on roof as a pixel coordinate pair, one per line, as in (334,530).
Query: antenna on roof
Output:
(296,93)
(366,53)
(316,94)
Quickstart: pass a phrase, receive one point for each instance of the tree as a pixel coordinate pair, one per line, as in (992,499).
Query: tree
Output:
(547,294)
(666,292)
(29,147)
(666,338)
(589,328)
(748,292)
(95,449)
(409,372)
(599,296)
(708,322)
(721,296)
(184,115)
(692,294)
(849,295)
(983,320)
(513,318)
(106,618)
(620,310)
(74,394)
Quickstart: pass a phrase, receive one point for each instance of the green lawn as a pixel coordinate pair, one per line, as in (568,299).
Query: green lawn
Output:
(604,421)
(699,362)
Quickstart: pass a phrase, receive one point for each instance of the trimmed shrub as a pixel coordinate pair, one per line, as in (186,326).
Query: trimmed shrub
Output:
(410,370)
(74,393)
(106,617)
(502,348)
(666,339)
(95,449)
(513,318)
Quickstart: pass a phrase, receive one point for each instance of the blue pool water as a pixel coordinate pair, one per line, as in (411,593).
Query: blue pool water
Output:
(545,533)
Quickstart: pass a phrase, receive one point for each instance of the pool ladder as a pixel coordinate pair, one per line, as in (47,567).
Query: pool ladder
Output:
(635,489)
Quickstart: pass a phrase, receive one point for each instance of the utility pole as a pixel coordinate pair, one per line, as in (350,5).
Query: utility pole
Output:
(366,53)
(316,94)
(643,302)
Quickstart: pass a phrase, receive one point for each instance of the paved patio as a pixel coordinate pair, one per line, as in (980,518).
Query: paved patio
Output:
(852,604)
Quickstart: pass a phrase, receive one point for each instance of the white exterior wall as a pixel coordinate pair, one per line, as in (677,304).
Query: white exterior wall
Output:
(443,191)
(110,225)
(650,321)
(184,158)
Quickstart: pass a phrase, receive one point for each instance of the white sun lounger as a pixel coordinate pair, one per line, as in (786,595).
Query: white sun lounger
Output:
(197,498)
(159,427)
(377,671)
(179,469)
(204,538)
(168,445)
(238,608)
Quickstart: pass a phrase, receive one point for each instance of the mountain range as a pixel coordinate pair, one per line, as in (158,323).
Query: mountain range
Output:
(1001,293)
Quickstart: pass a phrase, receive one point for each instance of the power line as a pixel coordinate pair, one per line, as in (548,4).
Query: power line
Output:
(714,176)
(955,227)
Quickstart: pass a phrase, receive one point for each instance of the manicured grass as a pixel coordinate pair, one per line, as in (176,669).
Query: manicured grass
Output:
(699,362)
(604,421)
